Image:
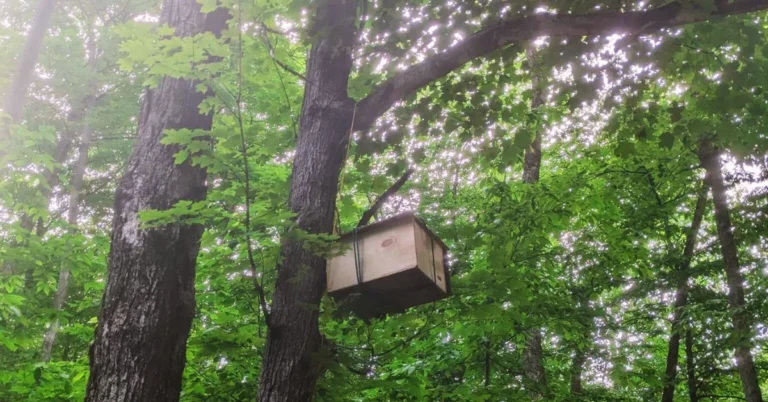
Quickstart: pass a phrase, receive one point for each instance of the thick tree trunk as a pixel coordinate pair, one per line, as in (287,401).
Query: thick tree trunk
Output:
(710,160)
(681,296)
(690,362)
(14,101)
(148,304)
(533,355)
(290,371)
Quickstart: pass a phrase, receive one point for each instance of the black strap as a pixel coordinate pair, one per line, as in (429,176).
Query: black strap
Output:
(432,242)
(358,256)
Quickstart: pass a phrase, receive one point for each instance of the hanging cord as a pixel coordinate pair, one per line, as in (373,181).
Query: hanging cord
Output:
(434,269)
(336,219)
(358,256)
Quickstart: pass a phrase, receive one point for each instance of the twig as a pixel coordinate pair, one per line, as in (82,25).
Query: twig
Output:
(367,215)
(247,184)
(268,44)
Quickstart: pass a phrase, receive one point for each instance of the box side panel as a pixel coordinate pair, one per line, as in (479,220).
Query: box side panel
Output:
(384,252)
(430,257)
(388,251)
(341,271)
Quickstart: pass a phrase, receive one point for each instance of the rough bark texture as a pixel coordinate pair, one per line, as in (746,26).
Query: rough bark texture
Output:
(148,304)
(533,355)
(681,296)
(742,333)
(690,363)
(290,370)
(14,101)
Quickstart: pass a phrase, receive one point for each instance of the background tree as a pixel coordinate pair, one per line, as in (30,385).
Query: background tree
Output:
(590,255)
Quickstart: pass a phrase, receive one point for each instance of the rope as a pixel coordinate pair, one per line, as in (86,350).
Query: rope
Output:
(434,269)
(358,256)
(336,220)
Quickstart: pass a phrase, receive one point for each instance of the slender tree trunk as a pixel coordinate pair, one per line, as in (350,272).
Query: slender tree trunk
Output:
(681,296)
(14,101)
(487,347)
(742,332)
(148,305)
(51,178)
(72,216)
(577,368)
(533,355)
(690,362)
(73,213)
(290,369)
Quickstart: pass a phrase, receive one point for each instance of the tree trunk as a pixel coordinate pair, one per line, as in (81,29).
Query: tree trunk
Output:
(51,179)
(690,362)
(14,101)
(681,296)
(487,347)
(533,355)
(577,367)
(148,304)
(580,353)
(290,371)
(710,160)
(73,213)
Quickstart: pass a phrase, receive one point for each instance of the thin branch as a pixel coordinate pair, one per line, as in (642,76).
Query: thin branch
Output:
(268,44)
(367,215)
(247,182)
(723,397)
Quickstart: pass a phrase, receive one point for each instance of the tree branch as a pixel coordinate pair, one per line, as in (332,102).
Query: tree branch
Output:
(367,215)
(517,30)
(723,397)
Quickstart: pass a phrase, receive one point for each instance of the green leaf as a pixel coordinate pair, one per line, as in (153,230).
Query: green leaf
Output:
(667,140)
(625,149)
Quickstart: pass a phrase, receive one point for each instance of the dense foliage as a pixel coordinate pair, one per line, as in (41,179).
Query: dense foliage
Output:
(590,254)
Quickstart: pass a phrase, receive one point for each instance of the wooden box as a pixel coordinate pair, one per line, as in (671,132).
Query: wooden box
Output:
(401,265)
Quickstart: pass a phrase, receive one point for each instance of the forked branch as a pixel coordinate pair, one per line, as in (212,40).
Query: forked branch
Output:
(521,29)
(367,215)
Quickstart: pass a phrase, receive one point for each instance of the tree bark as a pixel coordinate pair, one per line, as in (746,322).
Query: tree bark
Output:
(14,101)
(290,370)
(690,362)
(681,296)
(533,354)
(148,303)
(710,160)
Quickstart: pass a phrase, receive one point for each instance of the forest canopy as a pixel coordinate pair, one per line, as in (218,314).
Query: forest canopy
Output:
(174,175)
